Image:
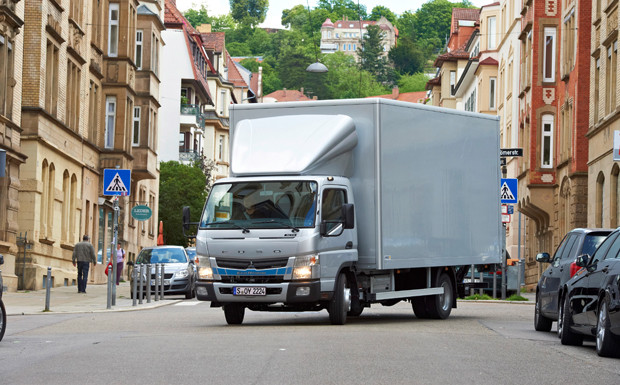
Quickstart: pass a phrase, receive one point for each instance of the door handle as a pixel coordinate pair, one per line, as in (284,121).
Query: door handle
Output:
(605,269)
(349,245)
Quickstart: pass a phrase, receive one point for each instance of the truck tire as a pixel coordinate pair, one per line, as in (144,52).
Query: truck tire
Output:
(340,304)
(440,306)
(419,307)
(356,308)
(234,313)
(541,323)
(567,336)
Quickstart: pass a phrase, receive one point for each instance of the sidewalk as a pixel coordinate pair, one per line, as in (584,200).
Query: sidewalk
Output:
(66,299)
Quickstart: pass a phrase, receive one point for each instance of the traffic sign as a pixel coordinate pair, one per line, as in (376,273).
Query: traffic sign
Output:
(616,145)
(502,161)
(505,218)
(116,182)
(508,190)
(510,152)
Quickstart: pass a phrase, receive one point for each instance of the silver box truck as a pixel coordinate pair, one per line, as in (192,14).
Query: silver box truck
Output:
(341,204)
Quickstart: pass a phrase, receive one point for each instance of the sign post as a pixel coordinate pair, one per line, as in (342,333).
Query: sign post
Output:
(116,182)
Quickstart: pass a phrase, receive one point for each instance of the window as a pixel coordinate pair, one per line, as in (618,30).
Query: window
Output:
(136,126)
(75,11)
(597,85)
(6,75)
(110,121)
(452,82)
(74,75)
(329,34)
(51,78)
(139,36)
(113,19)
(492,82)
(222,101)
(610,77)
(568,43)
(546,150)
(549,55)
(599,213)
(491,32)
(220,148)
(155,54)
(97,23)
(331,207)
(93,111)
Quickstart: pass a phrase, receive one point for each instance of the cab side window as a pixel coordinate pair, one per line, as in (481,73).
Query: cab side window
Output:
(331,205)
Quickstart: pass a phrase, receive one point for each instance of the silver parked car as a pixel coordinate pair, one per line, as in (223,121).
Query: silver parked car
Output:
(179,273)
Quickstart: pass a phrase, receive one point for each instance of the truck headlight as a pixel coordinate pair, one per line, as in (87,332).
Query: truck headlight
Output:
(306,267)
(204,268)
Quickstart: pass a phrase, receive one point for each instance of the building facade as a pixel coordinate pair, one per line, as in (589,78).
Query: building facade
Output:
(346,35)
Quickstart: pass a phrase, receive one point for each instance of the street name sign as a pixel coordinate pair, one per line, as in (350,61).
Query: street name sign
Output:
(116,182)
(510,152)
(508,190)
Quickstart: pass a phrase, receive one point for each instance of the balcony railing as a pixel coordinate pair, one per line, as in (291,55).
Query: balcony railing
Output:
(190,109)
(188,155)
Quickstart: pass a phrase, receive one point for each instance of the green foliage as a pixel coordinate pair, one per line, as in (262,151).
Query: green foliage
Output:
(339,8)
(238,49)
(478,297)
(413,83)
(379,11)
(407,56)
(180,185)
(222,23)
(516,297)
(249,12)
(371,55)
(197,17)
(432,22)
(345,80)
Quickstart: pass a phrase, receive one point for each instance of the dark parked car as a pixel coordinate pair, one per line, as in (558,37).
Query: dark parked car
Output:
(561,269)
(179,274)
(591,300)
(2,310)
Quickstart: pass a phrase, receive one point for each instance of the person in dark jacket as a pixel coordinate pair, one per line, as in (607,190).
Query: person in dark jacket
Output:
(83,255)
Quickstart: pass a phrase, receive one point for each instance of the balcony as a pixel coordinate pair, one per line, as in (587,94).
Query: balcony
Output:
(190,115)
(188,155)
(144,164)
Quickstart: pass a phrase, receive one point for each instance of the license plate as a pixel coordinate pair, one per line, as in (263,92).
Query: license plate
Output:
(166,282)
(243,290)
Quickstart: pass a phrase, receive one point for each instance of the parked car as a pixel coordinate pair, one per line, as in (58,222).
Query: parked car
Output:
(591,300)
(2,309)
(488,271)
(179,274)
(562,267)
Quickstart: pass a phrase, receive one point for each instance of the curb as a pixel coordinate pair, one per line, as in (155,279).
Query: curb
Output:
(113,309)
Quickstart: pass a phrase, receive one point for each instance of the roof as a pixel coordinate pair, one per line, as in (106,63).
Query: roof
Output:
(288,96)
(471,14)
(234,76)
(327,23)
(214,41)
(451,56)
(489,61)
(411,97)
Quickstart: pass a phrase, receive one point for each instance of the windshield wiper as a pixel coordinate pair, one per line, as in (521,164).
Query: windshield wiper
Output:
(289,225)
(245,229)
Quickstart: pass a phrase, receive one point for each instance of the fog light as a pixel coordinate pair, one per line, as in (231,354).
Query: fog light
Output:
(302,291)
(200,290)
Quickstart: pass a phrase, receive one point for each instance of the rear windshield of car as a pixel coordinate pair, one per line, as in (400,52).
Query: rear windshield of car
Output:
(592,242)
(163,255)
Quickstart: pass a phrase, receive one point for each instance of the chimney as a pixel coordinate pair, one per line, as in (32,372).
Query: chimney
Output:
(204,28)
(301,90)
(395,93)
(283,91)
(260,83)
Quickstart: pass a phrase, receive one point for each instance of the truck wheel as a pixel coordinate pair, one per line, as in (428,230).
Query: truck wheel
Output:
(340,303)
(605,344)
(234,313)
(419,307)
(567,336)
(440,306)
(541,323)
(356,308)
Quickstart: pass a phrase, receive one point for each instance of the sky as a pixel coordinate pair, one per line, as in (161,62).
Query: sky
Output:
(274,13)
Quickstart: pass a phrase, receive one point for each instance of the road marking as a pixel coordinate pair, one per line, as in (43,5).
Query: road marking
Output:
(193,303)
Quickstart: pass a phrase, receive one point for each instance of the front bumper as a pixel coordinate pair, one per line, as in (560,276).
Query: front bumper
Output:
(176,286)
(285,292)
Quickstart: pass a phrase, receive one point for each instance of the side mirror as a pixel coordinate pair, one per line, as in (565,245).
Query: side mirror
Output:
(543,257)
(1,262)
(348,213)
(130,263)
(185,218)
(582,260)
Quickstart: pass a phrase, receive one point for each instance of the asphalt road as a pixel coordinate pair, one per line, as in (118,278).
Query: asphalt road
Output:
(189,342)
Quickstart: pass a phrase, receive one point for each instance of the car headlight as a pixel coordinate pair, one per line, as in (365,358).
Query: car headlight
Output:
(306,267)
(204,268)
(181,274)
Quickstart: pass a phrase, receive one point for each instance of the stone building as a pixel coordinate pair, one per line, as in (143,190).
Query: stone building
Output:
(346,35)
(90,101)
(11,55)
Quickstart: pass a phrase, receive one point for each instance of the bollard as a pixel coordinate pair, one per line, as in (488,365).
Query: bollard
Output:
(141,294)
(163,276)
(149,282)
(109,304)
(157,282)
(134,285)
(48,283)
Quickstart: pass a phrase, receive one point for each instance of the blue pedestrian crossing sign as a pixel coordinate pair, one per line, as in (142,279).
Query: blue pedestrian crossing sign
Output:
(508,190)
(116,182)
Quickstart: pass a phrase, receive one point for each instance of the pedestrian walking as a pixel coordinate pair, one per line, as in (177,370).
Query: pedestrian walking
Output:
(83,255)
(120,261)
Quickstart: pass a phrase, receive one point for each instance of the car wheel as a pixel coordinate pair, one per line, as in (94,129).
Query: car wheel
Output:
(234,313)
(340,304)
(567,336)
(440,306)
(605,344)
(541,323)
(2,318)
(189,294)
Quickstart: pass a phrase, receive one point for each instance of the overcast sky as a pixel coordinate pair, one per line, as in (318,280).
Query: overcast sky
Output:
(274,13)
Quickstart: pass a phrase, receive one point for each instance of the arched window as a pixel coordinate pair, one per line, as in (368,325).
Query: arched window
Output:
(615,197)
(73,209)
(600,200)
(50,200)
(66,186)
(44,197)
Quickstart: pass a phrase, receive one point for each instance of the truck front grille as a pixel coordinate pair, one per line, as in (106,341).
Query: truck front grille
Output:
(252,279)
(243,264)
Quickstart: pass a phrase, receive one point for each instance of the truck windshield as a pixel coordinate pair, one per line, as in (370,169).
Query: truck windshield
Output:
(252,205)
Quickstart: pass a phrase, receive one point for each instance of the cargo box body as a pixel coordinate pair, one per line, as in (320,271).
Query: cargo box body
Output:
(425,180)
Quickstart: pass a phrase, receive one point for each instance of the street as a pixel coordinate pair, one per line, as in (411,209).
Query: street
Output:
(189,342)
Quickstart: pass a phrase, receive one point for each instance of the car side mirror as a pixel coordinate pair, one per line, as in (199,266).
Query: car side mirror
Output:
(543,257)
(582,260)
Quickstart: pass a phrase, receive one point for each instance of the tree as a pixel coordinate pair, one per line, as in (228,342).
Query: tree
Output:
(371,55)
(249,12)
(407,57)
(413,83)
(181,185)
(345,80)
(432,22)
(340,8)
(196,18)
(379,11)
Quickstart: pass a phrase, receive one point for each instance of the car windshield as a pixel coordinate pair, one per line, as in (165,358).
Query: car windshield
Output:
(251,205)
(162,255)
(191,253)
(592,242)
